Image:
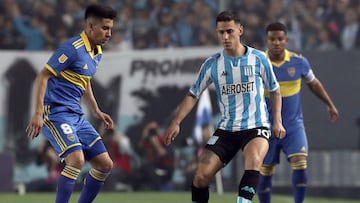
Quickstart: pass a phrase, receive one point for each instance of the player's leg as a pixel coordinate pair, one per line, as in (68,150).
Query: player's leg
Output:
(208,165)
(296,148)
(97,155)
(267,171)
(254,153)
(265,183)
(67,180)
(218,151)
(299,177)
(60,132)
(95,178)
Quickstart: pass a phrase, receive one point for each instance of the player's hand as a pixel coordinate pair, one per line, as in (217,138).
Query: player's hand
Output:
(171,133)
(333,114)
(34,128)
(278,130)
(108,122)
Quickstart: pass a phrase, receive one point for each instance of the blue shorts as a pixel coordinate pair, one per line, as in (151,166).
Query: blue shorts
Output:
(294,143)
(68,132)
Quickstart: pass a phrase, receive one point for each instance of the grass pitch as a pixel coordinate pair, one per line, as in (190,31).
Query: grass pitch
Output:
(152,197)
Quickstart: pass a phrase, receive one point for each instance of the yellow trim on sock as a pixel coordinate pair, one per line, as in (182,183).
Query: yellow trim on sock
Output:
(267,170)
(98,175)
(70,172)
(300,165)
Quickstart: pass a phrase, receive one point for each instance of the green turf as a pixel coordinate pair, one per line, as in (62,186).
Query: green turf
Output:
(152,197)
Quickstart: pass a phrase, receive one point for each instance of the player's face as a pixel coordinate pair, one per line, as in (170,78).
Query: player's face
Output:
(276,42)
(229,34)
(101,31)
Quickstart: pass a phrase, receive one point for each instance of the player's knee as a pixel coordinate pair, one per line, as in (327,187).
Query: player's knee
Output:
(75,159)
(267,170)
(106,165)
(254,163)
(202,179)
(77,162)
(109,165)
(299,165)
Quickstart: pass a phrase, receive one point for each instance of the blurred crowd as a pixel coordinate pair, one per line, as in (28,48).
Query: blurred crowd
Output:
(143,24)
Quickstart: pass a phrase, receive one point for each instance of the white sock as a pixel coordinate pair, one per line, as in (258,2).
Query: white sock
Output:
(243,200)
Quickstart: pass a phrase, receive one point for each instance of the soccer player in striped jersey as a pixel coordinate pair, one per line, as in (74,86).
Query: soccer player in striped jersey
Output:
(290,69)
(65,79)
(240,74)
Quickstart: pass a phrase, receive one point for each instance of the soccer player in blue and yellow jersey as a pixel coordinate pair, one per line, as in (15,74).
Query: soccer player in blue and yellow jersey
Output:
(290,69)
(60,85)
(240,74)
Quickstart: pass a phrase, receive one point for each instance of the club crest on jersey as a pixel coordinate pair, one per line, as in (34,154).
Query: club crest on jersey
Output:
(248,70)
(62,58)
(291,71)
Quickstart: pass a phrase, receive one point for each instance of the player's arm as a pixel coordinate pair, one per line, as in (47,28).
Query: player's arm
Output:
(40,89)
(273,87)
(94,107)
(276,102)
(91,102)
(318,89)
(184,109)
(202,82)
(35,125)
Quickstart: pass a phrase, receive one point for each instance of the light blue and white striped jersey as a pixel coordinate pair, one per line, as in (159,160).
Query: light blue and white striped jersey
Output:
(239,84)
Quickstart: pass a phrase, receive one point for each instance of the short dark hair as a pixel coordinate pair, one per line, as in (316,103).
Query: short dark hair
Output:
(100,11)
(276,26)
(226,16)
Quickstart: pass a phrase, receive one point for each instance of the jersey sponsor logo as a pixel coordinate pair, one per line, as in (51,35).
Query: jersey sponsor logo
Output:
(230,89)
(62,58)
(291,71)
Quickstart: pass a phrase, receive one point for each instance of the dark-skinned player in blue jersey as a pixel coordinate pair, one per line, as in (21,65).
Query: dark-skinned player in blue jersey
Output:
(60,85)
(290,70)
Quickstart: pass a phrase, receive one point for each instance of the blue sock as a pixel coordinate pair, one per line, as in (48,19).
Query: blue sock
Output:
(299,179)
(264,189)
(93,182)
(66,184)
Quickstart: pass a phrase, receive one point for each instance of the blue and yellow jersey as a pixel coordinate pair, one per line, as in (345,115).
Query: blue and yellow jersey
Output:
(289,73)
(73,65)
